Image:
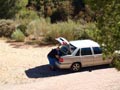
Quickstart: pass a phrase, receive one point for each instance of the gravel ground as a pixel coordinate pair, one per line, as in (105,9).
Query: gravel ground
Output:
(24,67)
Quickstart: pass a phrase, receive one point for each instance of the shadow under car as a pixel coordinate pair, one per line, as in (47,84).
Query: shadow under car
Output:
(44,71)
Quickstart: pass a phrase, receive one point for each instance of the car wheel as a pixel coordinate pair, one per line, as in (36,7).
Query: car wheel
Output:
(76,67)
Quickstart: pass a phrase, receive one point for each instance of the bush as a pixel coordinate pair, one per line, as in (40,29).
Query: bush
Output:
(18,36)
(24,17)
(23,28)
(38,28)
(7,27)
(9,8)
(28,14)
(70,30)
(62,29)
(116,61)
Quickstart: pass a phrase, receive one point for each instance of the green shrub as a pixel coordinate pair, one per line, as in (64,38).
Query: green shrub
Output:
(116,61)
(117,64)
(24,17)
(70,30)
(25,13)
(7,27)
(23,28)
(64,29)
(18,36)
(38,28)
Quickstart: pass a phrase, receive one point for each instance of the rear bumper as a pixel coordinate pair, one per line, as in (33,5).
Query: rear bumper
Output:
(63,65)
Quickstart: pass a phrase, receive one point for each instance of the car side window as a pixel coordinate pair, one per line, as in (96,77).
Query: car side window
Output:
(78,53)
(86,51)
(97,50)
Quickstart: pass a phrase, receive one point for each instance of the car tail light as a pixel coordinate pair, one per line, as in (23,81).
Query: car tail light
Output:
(61,60)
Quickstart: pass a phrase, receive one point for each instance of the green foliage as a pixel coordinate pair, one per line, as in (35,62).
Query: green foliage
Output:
(8,8)
(117,64)
(64,29)
(108,22)
(24,19)
(59,15)
(57,10)
(7,27)
(78,6)
(25,16)
(18,36)
(23,28)
(116,61)
(70,30)
(38,27)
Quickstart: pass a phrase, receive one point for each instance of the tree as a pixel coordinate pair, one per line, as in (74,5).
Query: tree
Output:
(78,6)
(8,8)
(108,22)
(58,10)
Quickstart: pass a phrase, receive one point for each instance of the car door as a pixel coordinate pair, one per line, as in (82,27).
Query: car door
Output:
(98,59)
(86,57)
(62,40)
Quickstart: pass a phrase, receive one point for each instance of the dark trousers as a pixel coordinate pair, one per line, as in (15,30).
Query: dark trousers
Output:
(52,60)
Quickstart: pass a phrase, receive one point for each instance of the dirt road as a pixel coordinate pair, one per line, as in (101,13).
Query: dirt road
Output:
(25,67)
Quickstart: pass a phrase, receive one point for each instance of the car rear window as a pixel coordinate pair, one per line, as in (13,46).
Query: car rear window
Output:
(72,48)
(67,49)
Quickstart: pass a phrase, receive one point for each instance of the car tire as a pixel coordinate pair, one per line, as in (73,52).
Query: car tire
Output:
(76,67)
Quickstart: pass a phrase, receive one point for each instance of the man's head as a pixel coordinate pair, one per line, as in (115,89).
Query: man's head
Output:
(58,47)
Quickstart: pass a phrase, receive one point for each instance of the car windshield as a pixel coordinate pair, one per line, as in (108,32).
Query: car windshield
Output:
(67,49)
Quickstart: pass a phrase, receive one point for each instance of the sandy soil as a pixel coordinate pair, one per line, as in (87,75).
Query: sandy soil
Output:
(25,67)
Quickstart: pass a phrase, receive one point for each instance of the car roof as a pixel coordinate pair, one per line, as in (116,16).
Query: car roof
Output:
(84,43)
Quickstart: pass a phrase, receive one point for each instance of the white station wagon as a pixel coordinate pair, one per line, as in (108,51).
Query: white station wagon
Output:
(80,53)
